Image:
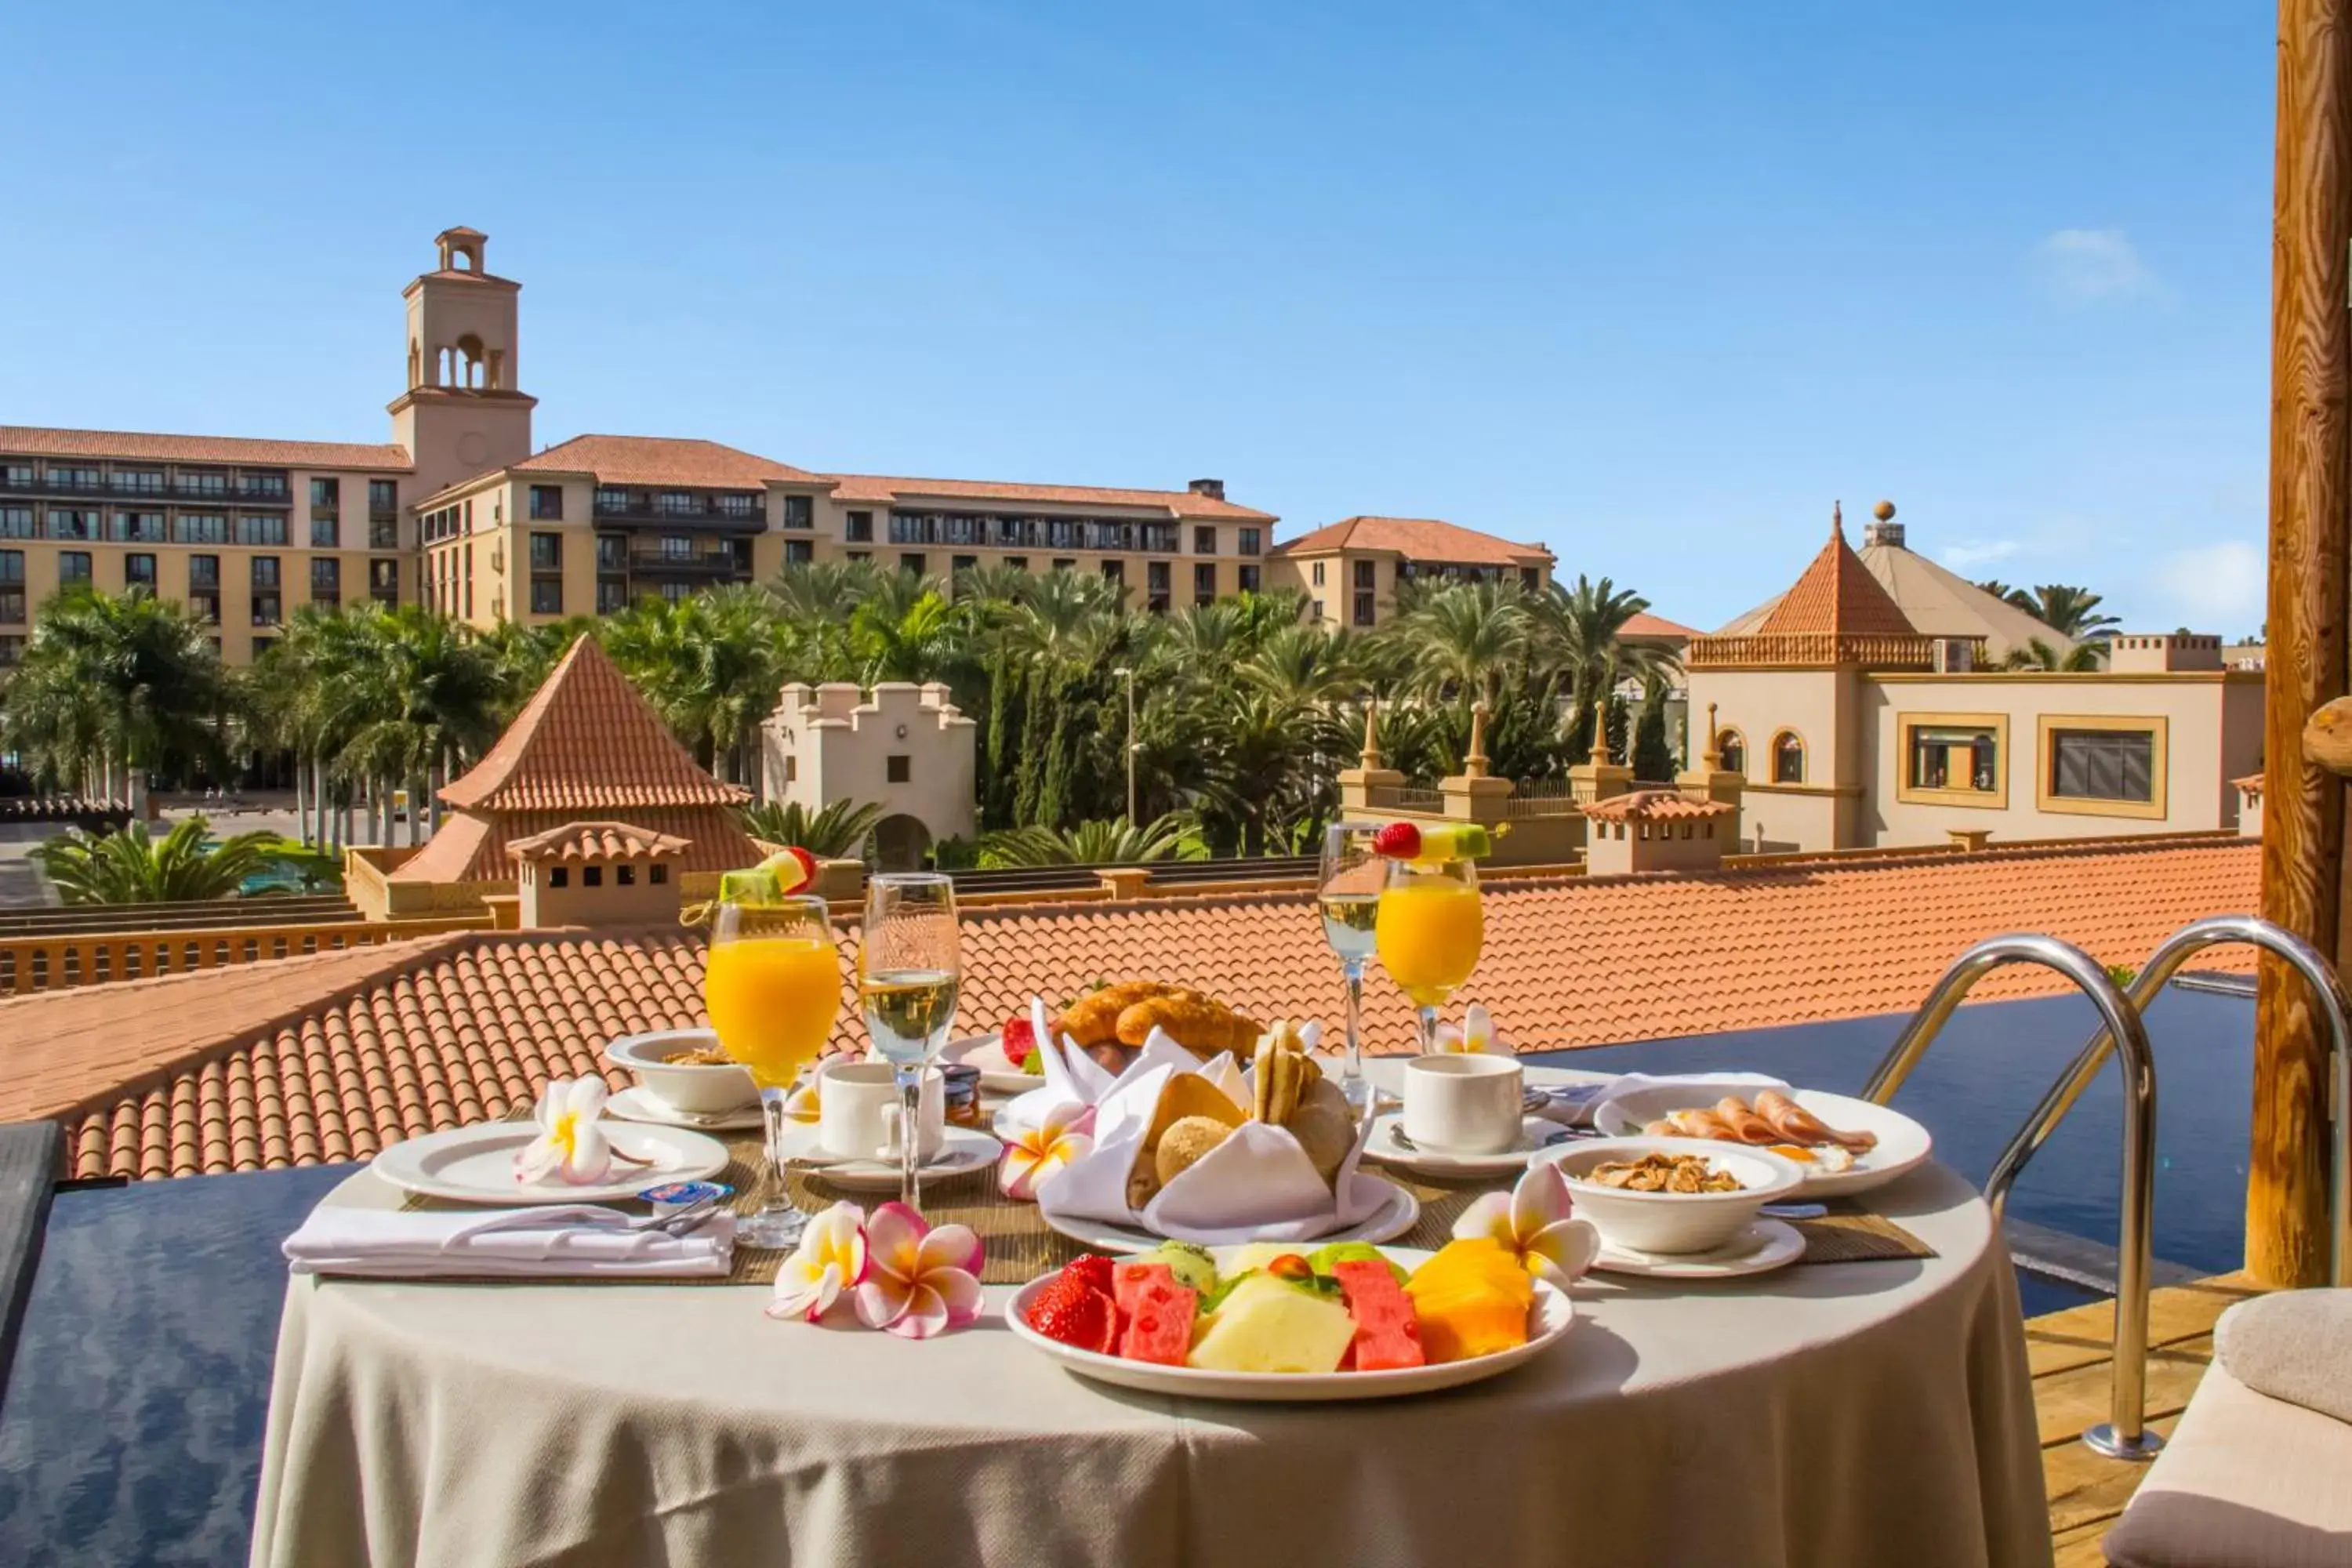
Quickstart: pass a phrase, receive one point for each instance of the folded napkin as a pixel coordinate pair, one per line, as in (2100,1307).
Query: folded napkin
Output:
(2292,1346)
(1636,1098)
(553,1241)
(1074,1078)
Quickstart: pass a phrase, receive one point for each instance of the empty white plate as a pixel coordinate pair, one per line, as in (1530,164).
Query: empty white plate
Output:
(476,1164)
(1535,1131)
(637,1103)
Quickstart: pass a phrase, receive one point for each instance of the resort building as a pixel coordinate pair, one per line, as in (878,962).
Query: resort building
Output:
(1853,725)
(904,748)
(1350,569)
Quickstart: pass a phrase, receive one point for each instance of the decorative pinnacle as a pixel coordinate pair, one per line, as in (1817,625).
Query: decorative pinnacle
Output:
(1713,755)
(1601,732)
(1370,758)
(1474,764)
(1837,519)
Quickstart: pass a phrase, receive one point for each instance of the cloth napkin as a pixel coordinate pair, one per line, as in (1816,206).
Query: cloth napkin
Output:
(1680,1091)
(1074,1078)
(551,1241)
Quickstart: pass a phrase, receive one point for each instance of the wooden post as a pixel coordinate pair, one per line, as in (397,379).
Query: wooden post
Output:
(2303,886)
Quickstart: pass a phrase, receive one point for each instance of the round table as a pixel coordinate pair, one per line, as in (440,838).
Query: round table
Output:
(1844,1414)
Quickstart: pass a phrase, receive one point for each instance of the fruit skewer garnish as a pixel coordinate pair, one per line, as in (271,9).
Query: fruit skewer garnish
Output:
(1433,844)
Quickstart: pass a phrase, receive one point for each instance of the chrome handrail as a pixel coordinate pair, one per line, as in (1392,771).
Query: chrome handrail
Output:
(2125,1435)
(2175,951)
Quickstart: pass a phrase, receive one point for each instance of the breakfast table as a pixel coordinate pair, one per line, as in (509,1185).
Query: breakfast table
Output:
(1860,1413)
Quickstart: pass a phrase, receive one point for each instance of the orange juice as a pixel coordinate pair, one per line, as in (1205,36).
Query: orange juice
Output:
(1429,934)
(773,1000)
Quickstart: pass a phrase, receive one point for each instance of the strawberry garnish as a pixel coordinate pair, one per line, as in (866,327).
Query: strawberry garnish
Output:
(1019,1038)
(1398,841)
(1084,1319)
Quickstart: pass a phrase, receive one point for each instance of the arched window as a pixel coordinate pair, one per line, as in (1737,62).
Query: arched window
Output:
(1787,758)
(470,362)
(1731,749)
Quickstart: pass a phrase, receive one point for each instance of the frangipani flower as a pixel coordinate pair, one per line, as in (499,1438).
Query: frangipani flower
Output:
(832,1258)
(1534,1220)
(571,1143)
(802,1105)
(919,1281)
(1036,1152)
(1476,1035)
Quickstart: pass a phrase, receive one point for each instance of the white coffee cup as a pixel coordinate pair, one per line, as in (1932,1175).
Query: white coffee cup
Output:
(1462,1103)
(857,1111)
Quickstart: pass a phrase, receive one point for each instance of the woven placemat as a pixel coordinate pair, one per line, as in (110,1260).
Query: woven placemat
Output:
(1020,1246)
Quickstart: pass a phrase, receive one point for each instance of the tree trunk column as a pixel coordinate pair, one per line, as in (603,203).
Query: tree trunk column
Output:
(2303,886)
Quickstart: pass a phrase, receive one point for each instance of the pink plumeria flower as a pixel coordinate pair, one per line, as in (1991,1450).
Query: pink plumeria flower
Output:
(919,1280)
(833,1256)
(1036,1153)
(1478,1035)
(1533,1219)
(571,1143)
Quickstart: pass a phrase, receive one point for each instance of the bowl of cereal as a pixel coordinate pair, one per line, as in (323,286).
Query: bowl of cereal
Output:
(1672,1195)
(686,1070)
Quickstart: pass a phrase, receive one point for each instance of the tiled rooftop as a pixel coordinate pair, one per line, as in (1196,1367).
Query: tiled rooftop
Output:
(661,460)
(1655,805)
(1416,539)
(308,1060)
(1837,596)
(596,841)
(882,489)
(1645,624)
(131,446)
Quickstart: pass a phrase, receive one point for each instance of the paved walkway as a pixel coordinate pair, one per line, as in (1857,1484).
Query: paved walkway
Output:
(22,885)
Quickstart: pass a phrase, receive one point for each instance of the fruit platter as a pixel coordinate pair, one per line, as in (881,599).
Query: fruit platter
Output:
(1270,1321)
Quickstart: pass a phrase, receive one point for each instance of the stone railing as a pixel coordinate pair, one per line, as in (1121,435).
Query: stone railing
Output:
(1819,648)
(29,963)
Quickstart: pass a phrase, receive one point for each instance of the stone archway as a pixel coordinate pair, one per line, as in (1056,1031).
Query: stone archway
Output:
(899,843)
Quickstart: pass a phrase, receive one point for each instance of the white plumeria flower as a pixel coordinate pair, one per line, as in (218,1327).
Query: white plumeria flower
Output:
(919,1280)
(571,1143)
(832,1258)
(1536,1221)
(1478,1035)
(1035,1153)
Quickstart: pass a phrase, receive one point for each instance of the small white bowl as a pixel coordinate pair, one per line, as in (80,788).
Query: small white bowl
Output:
(697,1090)
(1674,1221)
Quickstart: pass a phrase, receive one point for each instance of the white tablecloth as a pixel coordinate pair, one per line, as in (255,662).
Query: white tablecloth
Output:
(1857,1414)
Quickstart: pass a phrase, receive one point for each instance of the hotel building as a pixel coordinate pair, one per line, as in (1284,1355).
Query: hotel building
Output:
(1350,569)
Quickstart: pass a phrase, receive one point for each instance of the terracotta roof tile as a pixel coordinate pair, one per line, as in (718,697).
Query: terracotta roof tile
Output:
(1837,596)
(596,841)
(1645,624)
(882,489)
(130,445)
(662,460)
(310,1060)
(1416,539)
(1655,805)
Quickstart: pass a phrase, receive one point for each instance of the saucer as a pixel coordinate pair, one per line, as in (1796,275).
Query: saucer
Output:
(962,1152)
(1765,1245)
(1535,1132)
(635,1104)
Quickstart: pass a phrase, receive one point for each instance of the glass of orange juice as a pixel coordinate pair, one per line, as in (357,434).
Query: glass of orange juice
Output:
(1429,928)
(773,985)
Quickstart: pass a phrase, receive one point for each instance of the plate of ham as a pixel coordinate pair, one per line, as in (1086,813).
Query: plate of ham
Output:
(1843,1145)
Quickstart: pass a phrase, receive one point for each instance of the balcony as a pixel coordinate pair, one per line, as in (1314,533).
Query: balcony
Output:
(699,563)
(641,509)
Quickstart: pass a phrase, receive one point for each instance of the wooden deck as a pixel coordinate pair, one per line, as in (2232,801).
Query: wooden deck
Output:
(2069,1354)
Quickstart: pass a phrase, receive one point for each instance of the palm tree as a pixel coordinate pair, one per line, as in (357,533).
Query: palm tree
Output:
(896,640)
(1117,842)
(709,664)
(1465,635)
(131,867)
(2069,612)
(839,829)
(1578,632)
(2038,654)
(420,695)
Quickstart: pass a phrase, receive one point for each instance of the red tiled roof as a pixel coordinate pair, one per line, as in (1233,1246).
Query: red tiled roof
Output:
(882,490)
(662,460)
(1837,596)
(279,1064)
(134,446)
(1645,625)
(597,841)
(1415,539)
(1655,805)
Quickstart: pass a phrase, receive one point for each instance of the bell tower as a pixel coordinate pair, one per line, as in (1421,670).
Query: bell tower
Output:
(461,413)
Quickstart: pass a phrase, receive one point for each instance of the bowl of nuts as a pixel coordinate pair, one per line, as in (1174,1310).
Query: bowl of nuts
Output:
(685,1070)
(1672,1195)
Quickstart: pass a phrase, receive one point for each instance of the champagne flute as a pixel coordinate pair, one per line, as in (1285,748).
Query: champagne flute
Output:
(1429,929)
(771,986)
(907,971)
(1349,893)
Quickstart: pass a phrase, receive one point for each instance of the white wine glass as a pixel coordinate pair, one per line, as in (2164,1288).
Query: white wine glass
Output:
(908,969)
(1349,894)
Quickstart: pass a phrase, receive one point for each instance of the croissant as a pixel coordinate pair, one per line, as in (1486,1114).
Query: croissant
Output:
(1799,1125)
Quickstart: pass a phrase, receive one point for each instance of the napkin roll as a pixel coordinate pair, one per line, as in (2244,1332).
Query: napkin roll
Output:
(553,1241)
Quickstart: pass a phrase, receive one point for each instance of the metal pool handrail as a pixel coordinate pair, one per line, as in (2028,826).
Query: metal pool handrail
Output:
(2175,951)
(2125,1435)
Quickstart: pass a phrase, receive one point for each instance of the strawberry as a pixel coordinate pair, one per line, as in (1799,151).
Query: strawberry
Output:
(1084,1319)
(1398,841)
(1020,1038)
(1095,1271)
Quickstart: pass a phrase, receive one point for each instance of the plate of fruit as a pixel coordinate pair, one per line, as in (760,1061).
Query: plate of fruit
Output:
(1274,1322)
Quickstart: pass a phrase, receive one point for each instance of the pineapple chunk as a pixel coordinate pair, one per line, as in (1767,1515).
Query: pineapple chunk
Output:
(1266,1325)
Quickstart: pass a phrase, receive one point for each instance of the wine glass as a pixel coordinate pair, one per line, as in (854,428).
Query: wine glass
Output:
(906,977)
(1429,929)
(1348,892)
(771,986)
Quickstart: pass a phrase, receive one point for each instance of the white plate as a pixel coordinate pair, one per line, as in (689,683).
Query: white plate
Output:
(1548,1319)
(476,1164)
(1397,1214)
(637,1103)
(1902,1143)
(1765,1245)
(962,1153)
(997,1074)
(1535,1131)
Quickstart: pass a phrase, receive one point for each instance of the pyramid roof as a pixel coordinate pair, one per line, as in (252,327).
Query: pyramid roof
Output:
(1837,596)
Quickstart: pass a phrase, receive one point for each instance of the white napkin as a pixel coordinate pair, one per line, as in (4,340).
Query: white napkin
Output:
(1673,1091)
(1074,1078)
(553,1241)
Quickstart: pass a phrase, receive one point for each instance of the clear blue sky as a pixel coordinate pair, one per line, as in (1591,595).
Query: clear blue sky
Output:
(1651,283)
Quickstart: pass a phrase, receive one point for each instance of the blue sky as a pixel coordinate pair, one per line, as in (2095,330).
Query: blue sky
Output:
(1652,284)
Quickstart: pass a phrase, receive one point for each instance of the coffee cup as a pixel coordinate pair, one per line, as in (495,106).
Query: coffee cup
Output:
(1459,1103)
(857,1111)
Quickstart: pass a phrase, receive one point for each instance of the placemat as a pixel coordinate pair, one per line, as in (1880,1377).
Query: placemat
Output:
(1020,1246)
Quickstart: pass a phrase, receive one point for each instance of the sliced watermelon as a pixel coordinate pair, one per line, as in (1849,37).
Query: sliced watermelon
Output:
(1388,1334)
(1156,1313)
(1127,1279)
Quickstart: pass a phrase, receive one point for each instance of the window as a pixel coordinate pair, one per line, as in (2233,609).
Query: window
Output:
(558,875)
(958,564)
(200,482)
(324,532)
(612,597)
(326,495)
(138,527)
(1315,576)
(1204,539)
(800,511)
(261,531)
(592,875)
(1954,759)
(675,593)
(1016,562)
(1114,571)
(800,552)
(1157,576)
(1365,610)
(612,500)
(137,481)
(383,494)
(547,596)
(2099,766)
(1247,542)
(263,645)
(12,648)
(1204,583)
(1731,751)
(657,875)
(326,579)
(897,768)
(676,547)
(65,478)
(792,769)
(383,581)
(199,528)
(267,610)
(1063,564)
(861,555)
(738,506)
(611,552)
(912,562)
(384,533)
(204,571)
(861,528)
(66,522)
(677,503)
(15,522)
(138,571)
(625,875)
(1367,575)
(1248,575)
(1787,758)
(11,566)
(1531,579)
(547,553)
(261,487)
(73,566)
(12,606)
(265,572)
(547,502)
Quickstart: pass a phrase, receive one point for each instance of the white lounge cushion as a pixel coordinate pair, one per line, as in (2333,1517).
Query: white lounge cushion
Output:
(2295,1346)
